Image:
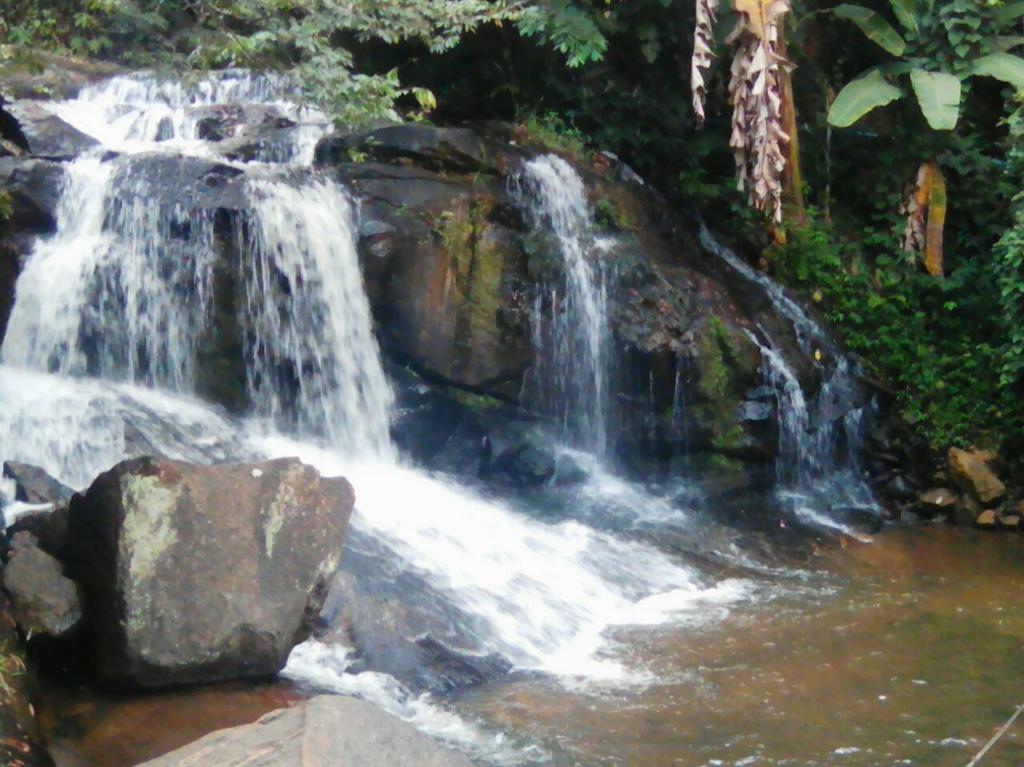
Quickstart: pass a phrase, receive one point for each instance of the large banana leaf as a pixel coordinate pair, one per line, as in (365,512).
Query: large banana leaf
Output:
(1009,12)
(874,26)
(938,93)
(904,10)
(861,96)
(1001,66)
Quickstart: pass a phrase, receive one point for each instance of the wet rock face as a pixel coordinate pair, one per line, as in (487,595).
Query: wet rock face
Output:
(326,730)
(446,273)
(196,574)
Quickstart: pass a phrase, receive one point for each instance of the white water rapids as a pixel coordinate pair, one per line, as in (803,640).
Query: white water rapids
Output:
(99,363)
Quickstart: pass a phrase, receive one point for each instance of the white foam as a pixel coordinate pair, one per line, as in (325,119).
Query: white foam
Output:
(327,666)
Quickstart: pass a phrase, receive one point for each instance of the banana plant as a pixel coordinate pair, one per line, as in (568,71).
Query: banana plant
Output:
(938,50)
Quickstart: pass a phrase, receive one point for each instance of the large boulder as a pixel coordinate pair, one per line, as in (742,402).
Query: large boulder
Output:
(45,601)
(195,574)
(971,471)
(327,731)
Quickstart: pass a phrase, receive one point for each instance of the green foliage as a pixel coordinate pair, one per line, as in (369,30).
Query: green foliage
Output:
(942,46)
(936,343)
(312,38)
(553,131)
(1008,257)
(6,206)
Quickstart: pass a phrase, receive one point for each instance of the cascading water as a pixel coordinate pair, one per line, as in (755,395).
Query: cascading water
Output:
(309,318)
(818,466)
(570,323)
(133,113)
(122,291)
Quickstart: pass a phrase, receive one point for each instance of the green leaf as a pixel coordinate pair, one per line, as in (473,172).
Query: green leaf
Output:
(1009,13)
(860,97)
(874,26)
(1001,66)
(1005,43)
(938,93)
(904,10)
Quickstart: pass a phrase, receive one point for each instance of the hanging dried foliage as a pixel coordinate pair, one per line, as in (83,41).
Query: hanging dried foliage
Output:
(925,210)
(758,140)
(703,53)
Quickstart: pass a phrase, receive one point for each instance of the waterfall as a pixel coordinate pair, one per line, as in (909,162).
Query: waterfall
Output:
(143,111)
(817,465)
(309,318)
(101,359)
(571,337)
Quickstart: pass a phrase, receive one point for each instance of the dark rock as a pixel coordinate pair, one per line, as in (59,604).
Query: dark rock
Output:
(435,148)
(33,186)
(457,670)
(400,625)
(568,472)
(755,411)
(866,521)
(195,574)
(524,466)
(48,135)
(33,485)
(900,489)
(44,600)
(908,517)
(12,138)
(326,731)
(761,393)
(48,526)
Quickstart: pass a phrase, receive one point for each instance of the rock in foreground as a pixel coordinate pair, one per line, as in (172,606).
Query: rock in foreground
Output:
(327,731)
(197,574)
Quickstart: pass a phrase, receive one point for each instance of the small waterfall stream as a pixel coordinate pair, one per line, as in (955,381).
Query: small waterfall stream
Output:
(571,330)
(818,468)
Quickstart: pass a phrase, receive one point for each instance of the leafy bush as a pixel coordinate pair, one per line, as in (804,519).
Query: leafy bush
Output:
(937,344)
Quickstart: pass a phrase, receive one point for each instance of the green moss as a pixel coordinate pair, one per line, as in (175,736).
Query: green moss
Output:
(611,214)
(476,259)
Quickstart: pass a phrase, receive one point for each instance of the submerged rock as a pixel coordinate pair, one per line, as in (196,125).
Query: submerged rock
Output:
(970,470)
(196,574)
(327,731)
(44,600)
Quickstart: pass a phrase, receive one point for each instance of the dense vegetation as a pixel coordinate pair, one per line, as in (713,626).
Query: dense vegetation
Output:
(927,93)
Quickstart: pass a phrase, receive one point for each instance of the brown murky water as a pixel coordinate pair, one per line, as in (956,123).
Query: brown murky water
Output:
(905,651)
(916,658)
(89,730)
